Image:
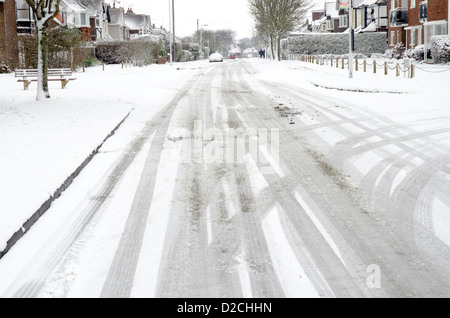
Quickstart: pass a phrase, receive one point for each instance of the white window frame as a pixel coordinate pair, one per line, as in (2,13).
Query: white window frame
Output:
(413,4)
(392,38)
(76,20)
(413,37)
(330,24)
(343,18)
(81,19)
(432,27)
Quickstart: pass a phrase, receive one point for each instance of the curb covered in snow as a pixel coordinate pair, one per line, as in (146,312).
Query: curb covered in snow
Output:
(47,204)
(353,90)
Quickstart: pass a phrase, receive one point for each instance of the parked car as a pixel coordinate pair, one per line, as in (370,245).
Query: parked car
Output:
(216,57)
(232,57)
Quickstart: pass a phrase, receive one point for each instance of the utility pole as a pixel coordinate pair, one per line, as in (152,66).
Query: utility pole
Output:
(173,29)
(351,40)
(170,38)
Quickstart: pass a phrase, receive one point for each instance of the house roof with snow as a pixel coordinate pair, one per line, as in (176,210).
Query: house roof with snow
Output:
(72,6)
(136,21)
(116,15)
(93,6)
(370,28)
(330,10)
(368,2)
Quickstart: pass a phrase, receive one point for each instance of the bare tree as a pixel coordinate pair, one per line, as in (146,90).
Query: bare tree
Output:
(273,18)
(44,11)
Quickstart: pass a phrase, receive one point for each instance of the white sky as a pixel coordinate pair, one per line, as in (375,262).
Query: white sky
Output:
(217,14)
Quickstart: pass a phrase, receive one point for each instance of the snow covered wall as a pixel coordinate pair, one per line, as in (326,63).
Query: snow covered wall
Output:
(334,43)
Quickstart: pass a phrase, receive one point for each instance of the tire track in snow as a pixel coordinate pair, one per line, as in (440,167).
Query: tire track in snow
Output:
(47,265)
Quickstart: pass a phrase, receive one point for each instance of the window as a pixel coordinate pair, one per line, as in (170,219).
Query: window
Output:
(392,37)
(76,20)
(393,4)
(423,11)
(330,25)
(343,21)
(97,22)
(413,4)
(439,28)
(83,18)
(398,17)
(413,37)
(323,27)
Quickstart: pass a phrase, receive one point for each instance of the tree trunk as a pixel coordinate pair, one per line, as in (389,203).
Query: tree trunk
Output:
(279,48)
(271,47)
(42,89)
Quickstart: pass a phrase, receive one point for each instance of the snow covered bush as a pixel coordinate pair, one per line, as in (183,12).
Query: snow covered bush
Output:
(440,48)
(377,55)
(4,68)
(66,49)
(187,56)
(139,52)
(396,52)
(194,48)
(417,53)
(333,43)
(108,52)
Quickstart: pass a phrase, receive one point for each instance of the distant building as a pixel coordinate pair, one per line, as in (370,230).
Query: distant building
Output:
(98,19)
(414,22)
(25,20)
(75,15)
(8,33)
(117,27)
(367,15)
(137,24)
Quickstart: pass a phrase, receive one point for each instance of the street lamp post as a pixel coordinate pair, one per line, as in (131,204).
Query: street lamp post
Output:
(173,31)
(170,31)
(351,40)
(201,38)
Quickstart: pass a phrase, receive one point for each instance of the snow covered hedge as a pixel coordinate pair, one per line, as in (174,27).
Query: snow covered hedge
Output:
(4,68)
(334,43)
(440,48)
(65,49)
(140,52)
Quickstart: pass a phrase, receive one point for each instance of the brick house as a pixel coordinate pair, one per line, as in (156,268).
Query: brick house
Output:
(414,22)
(8,33)
(74,14)
(317,19)
(327,20)
(98,19)
(367,15)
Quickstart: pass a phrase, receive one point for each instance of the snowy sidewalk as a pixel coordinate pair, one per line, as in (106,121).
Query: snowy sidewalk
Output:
(43,144)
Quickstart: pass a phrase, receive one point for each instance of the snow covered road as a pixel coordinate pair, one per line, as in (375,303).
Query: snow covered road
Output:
(245,187)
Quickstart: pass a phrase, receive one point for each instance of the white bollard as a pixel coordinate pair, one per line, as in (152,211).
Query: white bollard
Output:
(407,64)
